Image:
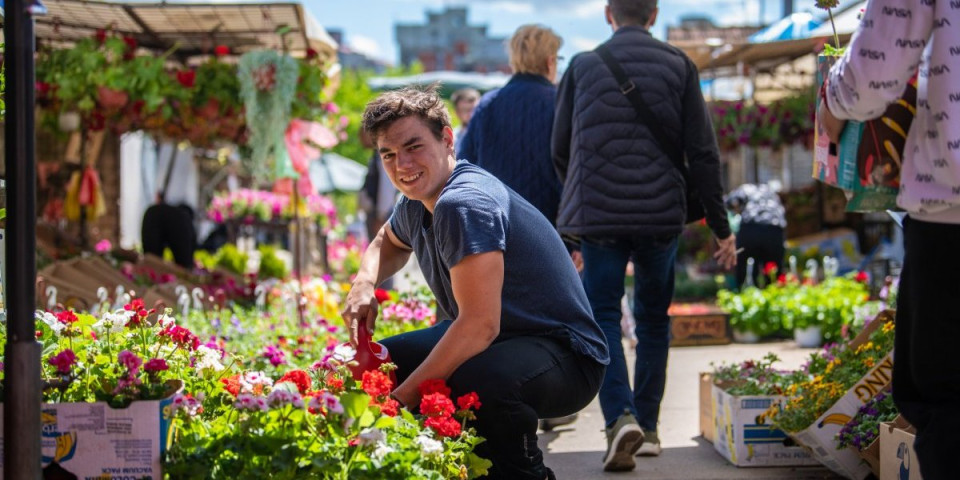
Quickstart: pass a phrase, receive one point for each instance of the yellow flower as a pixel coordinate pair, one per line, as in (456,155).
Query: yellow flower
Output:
(888,327)
(868,362)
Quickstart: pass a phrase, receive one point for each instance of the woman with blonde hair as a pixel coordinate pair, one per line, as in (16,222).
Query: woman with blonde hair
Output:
(509,133)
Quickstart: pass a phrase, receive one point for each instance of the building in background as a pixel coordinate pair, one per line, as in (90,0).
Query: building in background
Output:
(353,60)
(448,42)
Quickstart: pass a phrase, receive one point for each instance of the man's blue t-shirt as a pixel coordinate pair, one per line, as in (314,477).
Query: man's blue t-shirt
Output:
(477,213)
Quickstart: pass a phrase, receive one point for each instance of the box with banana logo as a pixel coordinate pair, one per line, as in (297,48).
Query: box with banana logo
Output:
(94,441)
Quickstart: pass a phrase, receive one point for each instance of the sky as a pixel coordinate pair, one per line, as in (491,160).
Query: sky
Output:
(368,25)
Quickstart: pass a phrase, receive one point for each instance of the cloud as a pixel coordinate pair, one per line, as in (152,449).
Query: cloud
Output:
(511,7)
(365,45)
(575,8)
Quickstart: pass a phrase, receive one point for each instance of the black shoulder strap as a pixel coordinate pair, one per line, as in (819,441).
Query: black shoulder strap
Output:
(629,89)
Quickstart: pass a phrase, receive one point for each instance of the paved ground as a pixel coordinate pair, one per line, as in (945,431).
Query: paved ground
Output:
(576,451)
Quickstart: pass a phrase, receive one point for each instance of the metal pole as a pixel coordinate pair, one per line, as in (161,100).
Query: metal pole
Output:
(21,413)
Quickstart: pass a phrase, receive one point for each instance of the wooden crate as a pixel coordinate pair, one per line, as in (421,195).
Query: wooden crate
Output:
(698,324)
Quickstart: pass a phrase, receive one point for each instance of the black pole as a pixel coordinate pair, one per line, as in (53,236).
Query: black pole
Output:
(21,412)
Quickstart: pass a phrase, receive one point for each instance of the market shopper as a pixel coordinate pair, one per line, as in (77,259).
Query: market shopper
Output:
(626,199)
(894,38)
(516,324)
(464,103)
(521,110)
(763,224)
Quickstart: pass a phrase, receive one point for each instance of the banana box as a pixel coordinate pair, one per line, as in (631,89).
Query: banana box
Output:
(744,436)
(898,459)
(95,441)
(821,437)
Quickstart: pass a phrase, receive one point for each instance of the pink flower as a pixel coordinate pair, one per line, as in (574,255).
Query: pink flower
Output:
(130,360)
(103,246)
(63,361)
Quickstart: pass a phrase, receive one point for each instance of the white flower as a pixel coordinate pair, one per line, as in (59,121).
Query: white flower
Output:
(382,450)
(165,320)
(189,404)
(208,358)
(428,446)
(51,321)
(257,378)
(344,353)
(114,322)
(372,436)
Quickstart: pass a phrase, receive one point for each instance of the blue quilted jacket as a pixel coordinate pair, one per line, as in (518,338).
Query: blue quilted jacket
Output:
(509,136)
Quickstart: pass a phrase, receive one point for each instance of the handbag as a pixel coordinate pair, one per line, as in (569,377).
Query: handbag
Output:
(695,210)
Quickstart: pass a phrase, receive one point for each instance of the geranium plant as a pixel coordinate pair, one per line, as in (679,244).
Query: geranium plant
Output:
(754,377)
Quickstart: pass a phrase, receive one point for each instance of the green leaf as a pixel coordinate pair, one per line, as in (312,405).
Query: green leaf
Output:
(366,419)
(354,404)
(385,422)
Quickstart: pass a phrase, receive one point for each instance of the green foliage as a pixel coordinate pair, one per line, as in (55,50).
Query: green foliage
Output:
(352,97)
(271,266)
(232,259)
(754,377)
(268,83)
(864,428)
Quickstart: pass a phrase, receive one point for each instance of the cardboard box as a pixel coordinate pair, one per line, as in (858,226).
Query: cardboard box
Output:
(698,324)
(744,436)
(707,427)
(821,436)
(898,460)
(92,440)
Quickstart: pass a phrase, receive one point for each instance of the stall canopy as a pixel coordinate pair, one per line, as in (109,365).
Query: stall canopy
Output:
(195,28)
(791,27)
(449,81)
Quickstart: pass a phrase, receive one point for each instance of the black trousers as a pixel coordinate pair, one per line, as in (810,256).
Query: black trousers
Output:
(926,368)
(763,243)
(169,226)
(518,380)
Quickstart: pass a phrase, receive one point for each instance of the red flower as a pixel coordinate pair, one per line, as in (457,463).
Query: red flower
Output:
(335,383)
(769,268)
(446,427)
(299,378)
(311,54)
(376,383)
(131,42)
(100,36)
(470,400)
(42,88)
(782,279)
(155,365)
(135,305)
(181,336)
(66,317)
(382,295)
(436,405)
(435,385)
(862,277)
(232,384)
(388,407)
(96,121)
(221,50)
(187,78)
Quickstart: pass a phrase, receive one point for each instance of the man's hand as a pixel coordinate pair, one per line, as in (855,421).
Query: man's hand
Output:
(832,125)
(726,254)
(577,258)
(361,305)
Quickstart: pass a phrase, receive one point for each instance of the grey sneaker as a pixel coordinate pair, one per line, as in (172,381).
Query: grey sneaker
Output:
(547,424)
(623,441)
(651,445)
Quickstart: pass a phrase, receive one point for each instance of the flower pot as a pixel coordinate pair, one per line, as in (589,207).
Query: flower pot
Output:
(809,337)
(745,337)
(68,121)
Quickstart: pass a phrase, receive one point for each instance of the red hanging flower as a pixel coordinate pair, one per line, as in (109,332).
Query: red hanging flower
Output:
(221,50)
(435,385)
(100,36)
(299,378)
(311,54)
(187,78)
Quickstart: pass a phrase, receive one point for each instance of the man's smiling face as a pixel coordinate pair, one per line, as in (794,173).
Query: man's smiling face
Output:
(417,163)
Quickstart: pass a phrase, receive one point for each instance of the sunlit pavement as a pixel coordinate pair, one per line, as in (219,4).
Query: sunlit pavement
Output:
(575,451)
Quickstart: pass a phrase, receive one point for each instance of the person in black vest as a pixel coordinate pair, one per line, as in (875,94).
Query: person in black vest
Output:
(626,199)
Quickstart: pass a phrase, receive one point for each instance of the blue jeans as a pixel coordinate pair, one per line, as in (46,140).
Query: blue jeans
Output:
(604,266)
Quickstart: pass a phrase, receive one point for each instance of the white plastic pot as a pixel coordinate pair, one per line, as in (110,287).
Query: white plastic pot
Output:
(809,337)
(69,121)
(745,337)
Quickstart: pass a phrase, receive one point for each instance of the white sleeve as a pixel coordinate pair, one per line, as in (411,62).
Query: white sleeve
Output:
(881,58)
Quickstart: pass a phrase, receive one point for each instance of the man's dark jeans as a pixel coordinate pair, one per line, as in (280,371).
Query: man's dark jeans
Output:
(926,368)
(604,266)
(518,380)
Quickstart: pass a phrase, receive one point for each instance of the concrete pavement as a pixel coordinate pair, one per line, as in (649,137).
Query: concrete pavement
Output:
(575,451)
